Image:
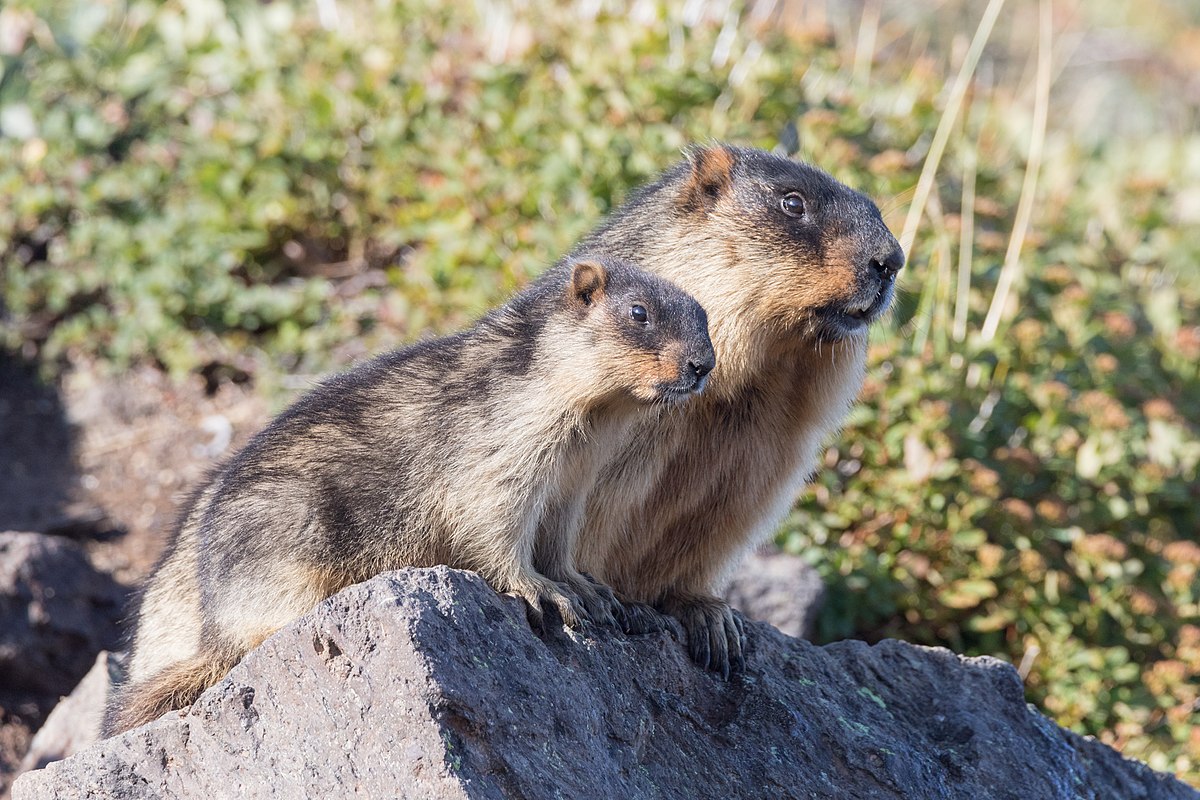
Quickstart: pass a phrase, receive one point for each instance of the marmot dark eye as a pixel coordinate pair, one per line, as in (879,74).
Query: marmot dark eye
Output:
(639,314)
(792,205)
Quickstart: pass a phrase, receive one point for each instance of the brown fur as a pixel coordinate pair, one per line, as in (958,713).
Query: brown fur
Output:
(673,497)
(176,686)
(477,451)
(788,301)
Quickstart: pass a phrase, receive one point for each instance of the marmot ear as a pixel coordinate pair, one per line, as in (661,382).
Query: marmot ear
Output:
(710,175)
(588,279)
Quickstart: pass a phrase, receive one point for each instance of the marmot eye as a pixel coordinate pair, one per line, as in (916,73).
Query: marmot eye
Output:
(792,205)
(639,314)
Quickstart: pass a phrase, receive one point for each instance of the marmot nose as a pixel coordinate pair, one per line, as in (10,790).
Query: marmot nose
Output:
(700,367)
(889,264)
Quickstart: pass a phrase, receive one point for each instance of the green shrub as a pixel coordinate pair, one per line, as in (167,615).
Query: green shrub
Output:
(199,171)
(1037,495)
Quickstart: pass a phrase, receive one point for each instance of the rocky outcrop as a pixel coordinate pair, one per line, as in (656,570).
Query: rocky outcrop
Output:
(75,722)
(56,613)
(780,589)
(427,684)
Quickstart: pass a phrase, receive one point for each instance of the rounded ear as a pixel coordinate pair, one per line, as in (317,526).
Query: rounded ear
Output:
(588,279)
(711,174)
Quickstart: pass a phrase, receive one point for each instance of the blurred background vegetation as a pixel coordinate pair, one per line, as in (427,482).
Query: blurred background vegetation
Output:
(267,191)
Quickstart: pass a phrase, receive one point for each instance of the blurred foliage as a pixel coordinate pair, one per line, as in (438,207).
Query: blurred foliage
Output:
(284,187)
(198,178)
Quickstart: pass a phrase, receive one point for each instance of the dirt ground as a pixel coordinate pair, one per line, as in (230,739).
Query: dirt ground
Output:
(104,460)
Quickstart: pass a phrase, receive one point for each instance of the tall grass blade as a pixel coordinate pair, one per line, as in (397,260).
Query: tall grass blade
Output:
(946,124)
(1011,270)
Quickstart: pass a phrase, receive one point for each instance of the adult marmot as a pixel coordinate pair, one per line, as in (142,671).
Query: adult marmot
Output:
(792,267)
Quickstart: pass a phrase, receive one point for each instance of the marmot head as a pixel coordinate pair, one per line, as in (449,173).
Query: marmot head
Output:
(816,257)
(779,253)
(651,335)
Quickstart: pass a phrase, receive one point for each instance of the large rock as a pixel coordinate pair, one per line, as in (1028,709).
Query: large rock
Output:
(427,684)
(75,722)
(778,588)
(56,613)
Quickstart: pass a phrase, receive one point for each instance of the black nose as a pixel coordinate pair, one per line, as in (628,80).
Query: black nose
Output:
(701,365)
(888,265)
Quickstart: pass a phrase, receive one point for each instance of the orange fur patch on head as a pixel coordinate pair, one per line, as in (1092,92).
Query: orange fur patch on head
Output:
(667,365)
(651,371)
(640,372)
(790,303)
(788,298)
(842,278)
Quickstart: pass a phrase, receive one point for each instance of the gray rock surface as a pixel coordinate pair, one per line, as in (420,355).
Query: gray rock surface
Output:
(75,722)
(427,684)
(56,613)
(779,589)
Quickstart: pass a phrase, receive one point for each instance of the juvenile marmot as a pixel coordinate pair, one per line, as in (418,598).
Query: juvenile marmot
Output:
(791,267)
(476,450)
